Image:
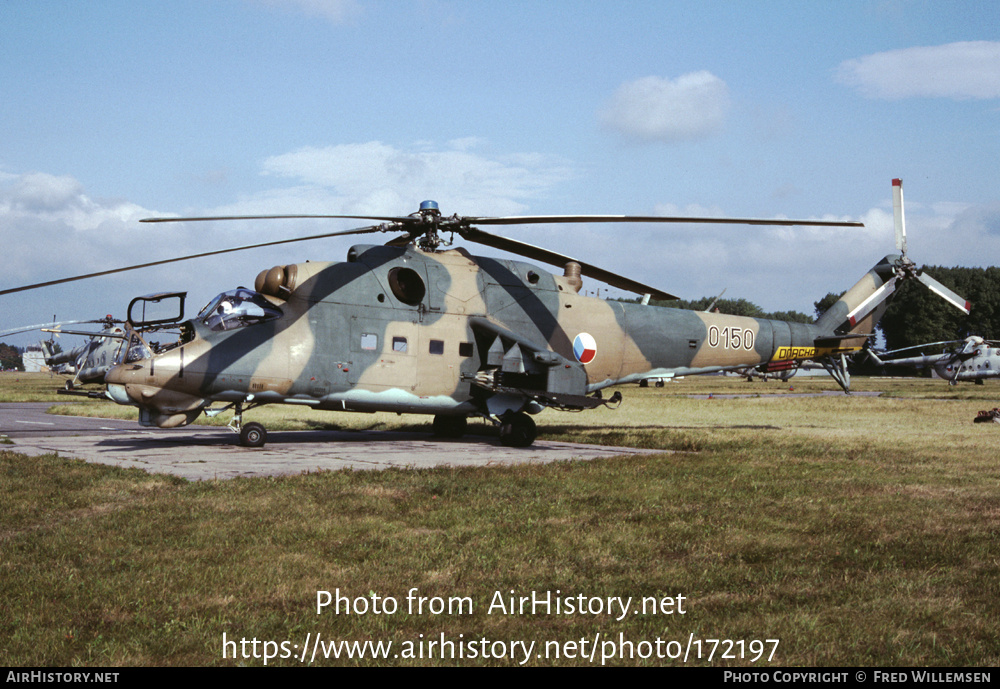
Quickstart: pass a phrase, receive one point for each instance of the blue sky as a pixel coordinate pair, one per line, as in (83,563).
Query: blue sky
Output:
(113,111)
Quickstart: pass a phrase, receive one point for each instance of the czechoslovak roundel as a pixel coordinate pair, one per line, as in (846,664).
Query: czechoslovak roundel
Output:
(584,348)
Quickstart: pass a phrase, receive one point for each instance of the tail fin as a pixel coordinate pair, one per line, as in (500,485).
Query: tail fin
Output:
(861,307)
(46,350)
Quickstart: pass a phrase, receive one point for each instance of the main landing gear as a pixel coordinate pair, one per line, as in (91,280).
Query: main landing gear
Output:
(516,429)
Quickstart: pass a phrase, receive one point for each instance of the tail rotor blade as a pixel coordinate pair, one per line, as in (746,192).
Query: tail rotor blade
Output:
(897,214)
(952,298)
(862,310)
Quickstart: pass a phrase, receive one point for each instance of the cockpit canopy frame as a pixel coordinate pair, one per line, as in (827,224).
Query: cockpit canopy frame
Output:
(161,312)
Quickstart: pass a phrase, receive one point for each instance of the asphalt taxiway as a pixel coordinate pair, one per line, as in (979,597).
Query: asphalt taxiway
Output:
(206,452)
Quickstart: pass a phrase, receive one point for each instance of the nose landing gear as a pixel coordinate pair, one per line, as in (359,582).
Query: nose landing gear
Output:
(251,434)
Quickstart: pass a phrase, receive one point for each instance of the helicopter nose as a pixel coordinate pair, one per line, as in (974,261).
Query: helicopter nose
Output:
(119,394)
(116,389)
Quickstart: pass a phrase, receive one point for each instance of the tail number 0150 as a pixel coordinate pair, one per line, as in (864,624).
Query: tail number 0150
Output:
(730,338)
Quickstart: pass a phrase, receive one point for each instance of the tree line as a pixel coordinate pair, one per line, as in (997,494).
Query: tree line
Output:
(10,358)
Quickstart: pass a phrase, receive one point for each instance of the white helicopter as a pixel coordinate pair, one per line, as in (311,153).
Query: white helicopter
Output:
(972,359)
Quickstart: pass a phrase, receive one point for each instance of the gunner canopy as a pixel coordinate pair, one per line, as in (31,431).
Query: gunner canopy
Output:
(238,308)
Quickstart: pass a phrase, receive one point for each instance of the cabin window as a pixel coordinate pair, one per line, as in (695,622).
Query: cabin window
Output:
(399,344)
(437,347)
(369,341)
(465,349)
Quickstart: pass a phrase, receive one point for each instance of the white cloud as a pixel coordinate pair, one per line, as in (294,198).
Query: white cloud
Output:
(692,106)
(335,11)
(50,228)
(60,199)
(376,178)
(956,70)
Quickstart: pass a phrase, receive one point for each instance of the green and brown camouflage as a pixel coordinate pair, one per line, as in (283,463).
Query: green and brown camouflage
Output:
(411,327)
(397,328)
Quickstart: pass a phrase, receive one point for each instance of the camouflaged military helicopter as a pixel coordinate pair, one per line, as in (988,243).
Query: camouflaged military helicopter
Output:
(413,326)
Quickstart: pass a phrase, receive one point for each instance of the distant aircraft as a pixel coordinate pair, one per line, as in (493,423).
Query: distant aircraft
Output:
(780,370)
(90,361)
(975,359)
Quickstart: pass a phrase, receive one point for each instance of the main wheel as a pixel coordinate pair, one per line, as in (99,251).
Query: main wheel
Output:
(450,426)
(517,430)
(253,435)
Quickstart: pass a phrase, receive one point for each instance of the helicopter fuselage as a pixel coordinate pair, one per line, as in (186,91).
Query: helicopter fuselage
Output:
(446,333)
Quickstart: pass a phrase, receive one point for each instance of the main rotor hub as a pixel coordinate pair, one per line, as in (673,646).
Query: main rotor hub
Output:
(430,215)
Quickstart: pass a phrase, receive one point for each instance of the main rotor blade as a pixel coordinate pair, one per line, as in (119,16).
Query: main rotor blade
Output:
(926,345)
(543,219)
(50,324)
(952,298)
(85,333)
(535,253)
(390,218)
(360,230)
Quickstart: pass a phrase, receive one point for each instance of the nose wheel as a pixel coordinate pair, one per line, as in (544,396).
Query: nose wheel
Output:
(253,434)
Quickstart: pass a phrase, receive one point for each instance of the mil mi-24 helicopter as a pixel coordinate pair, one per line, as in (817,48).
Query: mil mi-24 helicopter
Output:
(88,362)
(411,326)
(975,359)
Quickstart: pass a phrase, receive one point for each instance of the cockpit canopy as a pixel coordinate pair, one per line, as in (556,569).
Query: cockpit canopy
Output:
(238,308)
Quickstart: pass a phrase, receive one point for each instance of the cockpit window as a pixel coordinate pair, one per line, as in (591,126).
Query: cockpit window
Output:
(137,350)
(238,308)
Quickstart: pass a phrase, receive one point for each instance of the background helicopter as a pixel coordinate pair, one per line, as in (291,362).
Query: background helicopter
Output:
(88,362)
(413,327)
(974,359)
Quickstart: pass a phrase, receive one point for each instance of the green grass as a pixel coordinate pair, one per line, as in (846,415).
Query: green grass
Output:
(856,530)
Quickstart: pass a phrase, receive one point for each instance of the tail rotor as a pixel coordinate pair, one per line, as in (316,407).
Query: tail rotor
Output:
(905,268)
